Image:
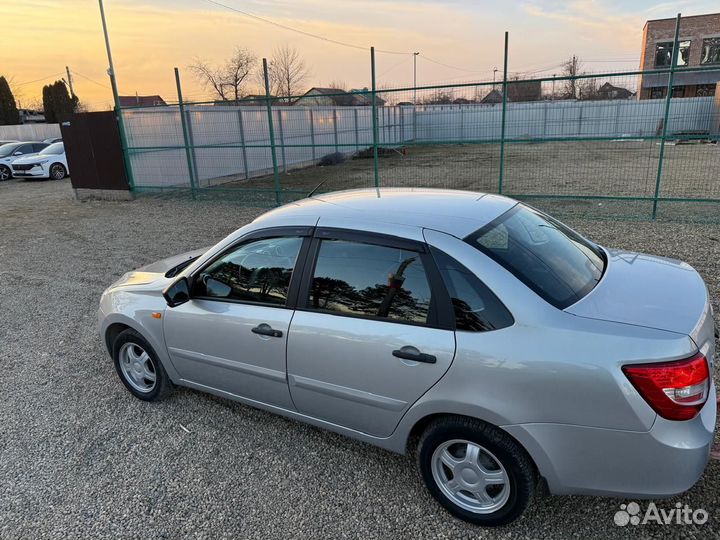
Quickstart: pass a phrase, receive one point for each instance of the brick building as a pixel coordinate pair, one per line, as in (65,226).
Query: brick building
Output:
(699,45)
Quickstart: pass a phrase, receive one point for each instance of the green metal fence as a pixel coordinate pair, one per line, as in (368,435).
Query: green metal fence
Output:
(596,143)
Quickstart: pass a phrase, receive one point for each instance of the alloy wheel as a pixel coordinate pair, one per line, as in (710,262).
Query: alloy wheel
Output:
(137,368)
(470,476)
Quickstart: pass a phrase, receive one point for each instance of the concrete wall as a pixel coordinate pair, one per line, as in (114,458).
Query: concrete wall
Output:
(239,136)
(29,132)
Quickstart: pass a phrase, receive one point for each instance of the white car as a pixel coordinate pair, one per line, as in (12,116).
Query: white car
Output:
(11,152)
(48,163)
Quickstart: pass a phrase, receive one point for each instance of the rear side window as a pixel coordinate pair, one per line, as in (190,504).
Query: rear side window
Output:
(368,280)
(554,261)
(476,308)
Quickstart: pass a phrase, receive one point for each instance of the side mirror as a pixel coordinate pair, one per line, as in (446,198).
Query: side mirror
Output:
(18,154)
(177,293)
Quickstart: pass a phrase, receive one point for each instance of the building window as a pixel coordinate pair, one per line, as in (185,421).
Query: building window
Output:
(657,93)
(711,51)
(704,90)
(663,53)
(678,91)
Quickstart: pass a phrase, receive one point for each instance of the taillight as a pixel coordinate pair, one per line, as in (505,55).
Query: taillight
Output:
(675,390)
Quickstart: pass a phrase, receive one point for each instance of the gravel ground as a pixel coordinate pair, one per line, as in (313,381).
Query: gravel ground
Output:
(80,458)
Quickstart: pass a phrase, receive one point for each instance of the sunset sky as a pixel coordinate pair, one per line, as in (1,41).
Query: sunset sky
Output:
(40,37)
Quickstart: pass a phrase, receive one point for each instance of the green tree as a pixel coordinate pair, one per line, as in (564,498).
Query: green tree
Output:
(57,103)
(9,114)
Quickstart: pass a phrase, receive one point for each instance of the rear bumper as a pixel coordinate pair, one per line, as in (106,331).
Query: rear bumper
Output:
(665,461)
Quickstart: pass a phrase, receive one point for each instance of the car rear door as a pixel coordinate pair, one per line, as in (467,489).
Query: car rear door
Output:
(232,334)
(371,332)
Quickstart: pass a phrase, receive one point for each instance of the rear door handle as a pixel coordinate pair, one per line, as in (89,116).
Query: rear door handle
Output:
(411,353)
(265,329)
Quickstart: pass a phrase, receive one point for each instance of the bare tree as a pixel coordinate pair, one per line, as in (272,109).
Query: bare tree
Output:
(571,68)
(287,72)
(227,82)
(337,85)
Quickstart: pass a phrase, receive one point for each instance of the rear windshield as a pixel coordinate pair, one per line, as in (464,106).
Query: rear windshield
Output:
(554,261)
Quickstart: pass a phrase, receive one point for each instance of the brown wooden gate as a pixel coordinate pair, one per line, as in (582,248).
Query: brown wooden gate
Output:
(94,154)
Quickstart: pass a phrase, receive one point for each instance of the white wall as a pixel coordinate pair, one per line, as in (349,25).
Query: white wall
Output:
(151,129)
(29,132)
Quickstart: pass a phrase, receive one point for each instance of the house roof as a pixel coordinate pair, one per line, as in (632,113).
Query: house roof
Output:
(141,101)
(494,96)
(342,97)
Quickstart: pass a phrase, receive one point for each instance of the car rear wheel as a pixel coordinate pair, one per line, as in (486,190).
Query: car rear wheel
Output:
(476,471)
(57,171)
(5,172)
(138,367)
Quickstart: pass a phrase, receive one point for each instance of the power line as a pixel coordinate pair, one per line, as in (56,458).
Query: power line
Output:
(76,72)
(297,31)
(451,66)
(388,70)
(40,79)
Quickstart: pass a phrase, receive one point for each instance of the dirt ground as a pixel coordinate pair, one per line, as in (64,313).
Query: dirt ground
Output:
(594,168)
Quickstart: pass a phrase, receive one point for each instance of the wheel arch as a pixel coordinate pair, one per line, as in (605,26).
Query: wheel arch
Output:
(57,163)
(419,427)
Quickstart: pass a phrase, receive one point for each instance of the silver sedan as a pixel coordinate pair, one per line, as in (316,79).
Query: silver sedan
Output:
(498,345)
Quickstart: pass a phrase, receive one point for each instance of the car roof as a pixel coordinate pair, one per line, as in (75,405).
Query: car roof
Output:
(455,212)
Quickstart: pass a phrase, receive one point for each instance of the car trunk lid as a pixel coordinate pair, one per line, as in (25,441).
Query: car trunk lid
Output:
(649,291)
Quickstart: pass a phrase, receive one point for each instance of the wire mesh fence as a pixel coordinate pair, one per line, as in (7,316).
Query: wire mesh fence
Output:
(597,143)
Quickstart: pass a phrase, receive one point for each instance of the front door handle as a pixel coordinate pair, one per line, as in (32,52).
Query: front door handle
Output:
(265,329)
(411,353)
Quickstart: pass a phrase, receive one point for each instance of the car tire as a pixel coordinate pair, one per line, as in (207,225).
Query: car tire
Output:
(489,479)
(139,368)
(5,173)
(57,171)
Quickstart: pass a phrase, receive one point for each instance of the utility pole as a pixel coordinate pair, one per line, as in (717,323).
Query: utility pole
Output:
(69,81)
(495,70)
(415,55)
(111,68)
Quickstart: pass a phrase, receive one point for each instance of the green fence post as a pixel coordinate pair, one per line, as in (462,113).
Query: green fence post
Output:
(242,141)
(357,134)
(374,118)
(276,174)
(183,122)
(312,134)
(502,121)
(668,99)
(335,128)
(282,141)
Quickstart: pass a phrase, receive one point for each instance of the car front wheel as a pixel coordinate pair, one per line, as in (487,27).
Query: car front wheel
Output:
(5,172)
(138,367)
(476,471)
(57,171)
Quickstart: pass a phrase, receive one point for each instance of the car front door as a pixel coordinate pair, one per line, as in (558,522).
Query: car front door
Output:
(231,336)
(370,335)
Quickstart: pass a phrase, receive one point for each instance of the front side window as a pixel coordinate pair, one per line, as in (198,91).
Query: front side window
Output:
(711,51)
(8,149)
(552,260)
(663,54)
(476,308)
(367,280)
(258,271)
